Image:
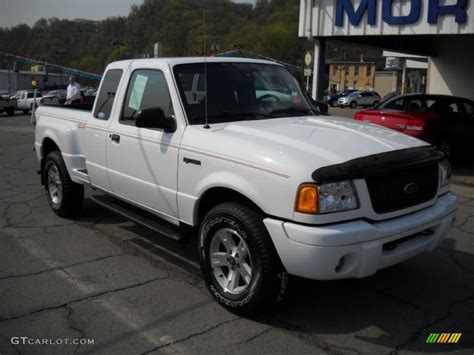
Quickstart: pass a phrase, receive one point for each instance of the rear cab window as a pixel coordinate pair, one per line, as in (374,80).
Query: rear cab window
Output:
(106,96)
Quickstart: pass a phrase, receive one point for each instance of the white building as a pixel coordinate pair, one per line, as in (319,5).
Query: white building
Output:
(442,30)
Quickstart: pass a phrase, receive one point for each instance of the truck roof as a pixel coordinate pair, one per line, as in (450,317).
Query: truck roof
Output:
(172,61)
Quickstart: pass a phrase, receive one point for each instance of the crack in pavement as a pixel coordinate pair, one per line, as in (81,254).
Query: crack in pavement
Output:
(62,268)
(190,336)
(73,326)
(305,334)
(252,338)
(83,299)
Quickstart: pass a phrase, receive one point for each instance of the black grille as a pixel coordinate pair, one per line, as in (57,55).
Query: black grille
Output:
(402,189)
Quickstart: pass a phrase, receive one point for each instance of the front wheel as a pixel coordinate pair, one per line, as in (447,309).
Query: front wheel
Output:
(64,196)
(240,265)
(353,104)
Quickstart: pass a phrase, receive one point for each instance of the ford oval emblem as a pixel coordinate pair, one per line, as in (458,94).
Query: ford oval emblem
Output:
(410,188)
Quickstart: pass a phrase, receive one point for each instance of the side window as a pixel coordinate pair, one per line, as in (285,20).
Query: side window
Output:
(396,104)
(469,109)
(147,88)
(415,105)
(455,107)
(106,96)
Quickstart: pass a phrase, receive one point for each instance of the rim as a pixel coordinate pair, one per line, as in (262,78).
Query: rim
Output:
(231,262)
(55,187)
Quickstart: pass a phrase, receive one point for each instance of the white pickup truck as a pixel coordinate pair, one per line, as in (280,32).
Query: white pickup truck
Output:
(233,150)
(26,99)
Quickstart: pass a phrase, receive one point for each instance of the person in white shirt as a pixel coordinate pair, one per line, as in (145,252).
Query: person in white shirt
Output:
(73,92)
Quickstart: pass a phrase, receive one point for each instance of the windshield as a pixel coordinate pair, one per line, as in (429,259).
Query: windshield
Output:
(239,92)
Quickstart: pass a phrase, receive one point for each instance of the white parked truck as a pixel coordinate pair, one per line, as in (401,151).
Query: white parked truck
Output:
(233,150)
(26,100)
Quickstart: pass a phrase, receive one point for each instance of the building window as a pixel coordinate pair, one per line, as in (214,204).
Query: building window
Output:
(356,70)
(369,70)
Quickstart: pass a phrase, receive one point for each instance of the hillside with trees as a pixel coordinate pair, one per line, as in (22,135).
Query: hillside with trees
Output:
(269,28)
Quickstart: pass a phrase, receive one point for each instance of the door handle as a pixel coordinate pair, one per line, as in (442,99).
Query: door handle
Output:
(115,138)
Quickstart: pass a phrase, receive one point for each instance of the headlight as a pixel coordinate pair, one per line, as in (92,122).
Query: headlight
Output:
(444,173)
(326,198)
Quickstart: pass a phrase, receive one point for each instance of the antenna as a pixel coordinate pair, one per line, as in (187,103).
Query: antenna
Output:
(206,125)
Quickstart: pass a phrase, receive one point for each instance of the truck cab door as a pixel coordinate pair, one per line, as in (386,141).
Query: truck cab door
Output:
(143,162)
(21,101)
(97,130)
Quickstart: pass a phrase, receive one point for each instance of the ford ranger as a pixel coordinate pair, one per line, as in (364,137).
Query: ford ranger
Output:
(233,150)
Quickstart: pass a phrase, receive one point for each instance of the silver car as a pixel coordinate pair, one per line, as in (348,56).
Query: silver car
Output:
(359,98)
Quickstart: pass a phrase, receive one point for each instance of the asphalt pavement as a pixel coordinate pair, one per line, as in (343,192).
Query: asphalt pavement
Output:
(121,289)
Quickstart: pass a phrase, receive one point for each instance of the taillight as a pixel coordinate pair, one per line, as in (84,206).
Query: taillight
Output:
(358,116)
(415,125)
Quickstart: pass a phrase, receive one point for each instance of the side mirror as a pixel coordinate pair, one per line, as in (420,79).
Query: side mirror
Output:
(154,117)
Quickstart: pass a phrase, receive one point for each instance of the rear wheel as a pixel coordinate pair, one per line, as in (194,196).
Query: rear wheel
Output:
(10,111)
(64,196)
(239,262)
(353,104)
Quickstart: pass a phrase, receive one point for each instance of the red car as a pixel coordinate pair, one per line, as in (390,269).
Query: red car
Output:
(445,121)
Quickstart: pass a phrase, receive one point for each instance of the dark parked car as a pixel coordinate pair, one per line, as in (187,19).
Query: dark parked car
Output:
(390,95)
(321,106)
(445,121)
(332,99)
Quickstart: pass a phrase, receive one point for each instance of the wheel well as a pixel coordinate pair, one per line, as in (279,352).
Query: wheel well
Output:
(47,147)
(217,195)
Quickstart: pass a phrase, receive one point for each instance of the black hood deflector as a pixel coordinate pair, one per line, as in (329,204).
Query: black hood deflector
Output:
(377,164)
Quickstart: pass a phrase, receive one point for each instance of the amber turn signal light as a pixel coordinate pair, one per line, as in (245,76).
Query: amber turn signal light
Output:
(307,199)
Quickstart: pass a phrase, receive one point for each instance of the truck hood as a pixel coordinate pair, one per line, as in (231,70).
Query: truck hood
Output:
(302,143)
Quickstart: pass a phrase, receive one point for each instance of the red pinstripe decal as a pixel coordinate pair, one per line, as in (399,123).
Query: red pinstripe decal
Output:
(236,162)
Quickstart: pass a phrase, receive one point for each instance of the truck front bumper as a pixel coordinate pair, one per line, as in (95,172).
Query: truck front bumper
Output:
(359,248)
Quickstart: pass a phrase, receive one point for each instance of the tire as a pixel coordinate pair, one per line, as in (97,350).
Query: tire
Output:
(353,104)
(10,111)
(26,111)
(260,279)
(64,196)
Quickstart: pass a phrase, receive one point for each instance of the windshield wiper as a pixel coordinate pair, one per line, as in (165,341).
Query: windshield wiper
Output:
(291,110)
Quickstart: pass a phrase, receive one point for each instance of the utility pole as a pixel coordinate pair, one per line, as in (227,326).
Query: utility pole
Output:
(9,83)
(118,44)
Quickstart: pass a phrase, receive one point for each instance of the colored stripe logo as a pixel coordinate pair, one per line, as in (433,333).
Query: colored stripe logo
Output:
(443,338)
